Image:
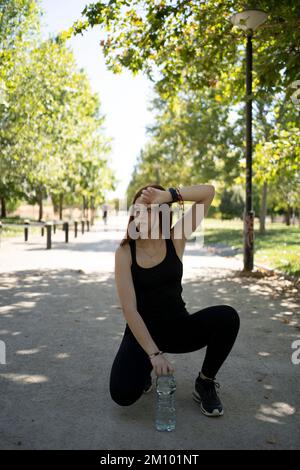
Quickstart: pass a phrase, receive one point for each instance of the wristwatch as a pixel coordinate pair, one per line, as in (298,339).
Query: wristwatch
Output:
(173,194)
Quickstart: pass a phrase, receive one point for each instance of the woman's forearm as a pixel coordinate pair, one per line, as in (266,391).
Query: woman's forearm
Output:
(140,331)
(197,192)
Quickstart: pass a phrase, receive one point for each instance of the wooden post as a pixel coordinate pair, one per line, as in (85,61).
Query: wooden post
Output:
(26,222)
(42,228)
(49,229)
(66,228)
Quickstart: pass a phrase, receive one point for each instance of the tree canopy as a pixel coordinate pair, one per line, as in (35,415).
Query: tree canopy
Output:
(194,42)
(52,140)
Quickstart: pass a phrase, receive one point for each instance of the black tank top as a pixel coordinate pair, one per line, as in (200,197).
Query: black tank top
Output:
(158,289)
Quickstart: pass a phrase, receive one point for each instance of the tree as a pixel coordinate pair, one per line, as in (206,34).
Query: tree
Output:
(19,29)
(181,41)
(51,136)
(277,154)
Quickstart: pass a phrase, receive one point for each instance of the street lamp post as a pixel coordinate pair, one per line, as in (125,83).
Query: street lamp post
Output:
(249,21)
(157,173)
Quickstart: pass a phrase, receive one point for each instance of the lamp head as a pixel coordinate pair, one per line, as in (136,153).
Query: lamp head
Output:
(249,19)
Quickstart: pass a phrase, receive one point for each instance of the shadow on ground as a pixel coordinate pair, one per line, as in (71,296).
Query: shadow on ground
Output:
(62,329)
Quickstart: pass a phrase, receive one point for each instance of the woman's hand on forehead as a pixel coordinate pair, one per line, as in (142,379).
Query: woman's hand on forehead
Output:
(142,206)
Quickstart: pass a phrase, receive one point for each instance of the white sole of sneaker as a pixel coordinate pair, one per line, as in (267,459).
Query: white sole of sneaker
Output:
(149,389)
(215,412)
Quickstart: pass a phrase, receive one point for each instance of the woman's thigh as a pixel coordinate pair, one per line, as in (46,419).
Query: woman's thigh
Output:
(192,332)
(130,369)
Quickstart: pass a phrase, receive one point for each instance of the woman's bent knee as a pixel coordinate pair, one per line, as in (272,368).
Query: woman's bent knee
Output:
(124,400)
(234,317)
(230,316)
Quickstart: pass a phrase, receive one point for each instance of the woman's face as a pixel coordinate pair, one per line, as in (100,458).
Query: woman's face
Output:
(146,218)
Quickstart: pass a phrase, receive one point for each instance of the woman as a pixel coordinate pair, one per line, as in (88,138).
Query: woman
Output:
(148,273)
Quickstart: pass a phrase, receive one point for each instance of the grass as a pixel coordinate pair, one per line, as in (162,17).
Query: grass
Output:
(8,232)
(278,248)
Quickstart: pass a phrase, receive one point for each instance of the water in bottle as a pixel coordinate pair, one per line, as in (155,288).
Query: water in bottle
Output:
(165,403)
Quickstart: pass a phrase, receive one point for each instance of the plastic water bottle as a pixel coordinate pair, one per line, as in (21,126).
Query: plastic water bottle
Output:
(165,403)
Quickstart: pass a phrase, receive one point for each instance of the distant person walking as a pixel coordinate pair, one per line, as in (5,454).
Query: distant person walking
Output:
(104,214)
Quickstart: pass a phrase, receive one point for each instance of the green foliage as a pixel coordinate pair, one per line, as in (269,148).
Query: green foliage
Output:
(231,205)
(196,60)
(51,136)
(191,141)
(277,152)
(277,248)
(175,41)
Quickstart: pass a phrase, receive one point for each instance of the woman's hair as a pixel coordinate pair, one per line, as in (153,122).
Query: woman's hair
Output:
(127,237)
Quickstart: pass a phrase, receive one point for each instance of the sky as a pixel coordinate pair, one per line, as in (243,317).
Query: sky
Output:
(124,98)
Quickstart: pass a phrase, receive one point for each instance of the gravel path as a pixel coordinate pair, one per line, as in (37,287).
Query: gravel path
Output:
(62,326)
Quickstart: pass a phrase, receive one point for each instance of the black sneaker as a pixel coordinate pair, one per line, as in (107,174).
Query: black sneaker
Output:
(148,385)
(206,395)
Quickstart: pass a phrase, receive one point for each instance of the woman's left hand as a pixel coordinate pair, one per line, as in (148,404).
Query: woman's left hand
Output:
(155,196)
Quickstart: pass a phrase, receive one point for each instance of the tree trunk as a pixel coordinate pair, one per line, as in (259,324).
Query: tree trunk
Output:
(85,206)
(263,209)
(288,215)
(293,216)
(40,204)
(92,206)
(3,207)
(55,205)
(61,197)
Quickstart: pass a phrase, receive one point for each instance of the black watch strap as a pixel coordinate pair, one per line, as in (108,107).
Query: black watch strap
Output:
(173,194)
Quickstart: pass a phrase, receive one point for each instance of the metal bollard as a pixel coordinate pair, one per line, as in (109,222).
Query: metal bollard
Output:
(66,229)
(75,228)
(82,226)
(48,229)
(42,228)
(26,222)
(54,226)
(88,225)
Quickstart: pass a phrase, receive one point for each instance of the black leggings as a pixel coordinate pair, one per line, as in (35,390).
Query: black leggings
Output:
(215,327)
